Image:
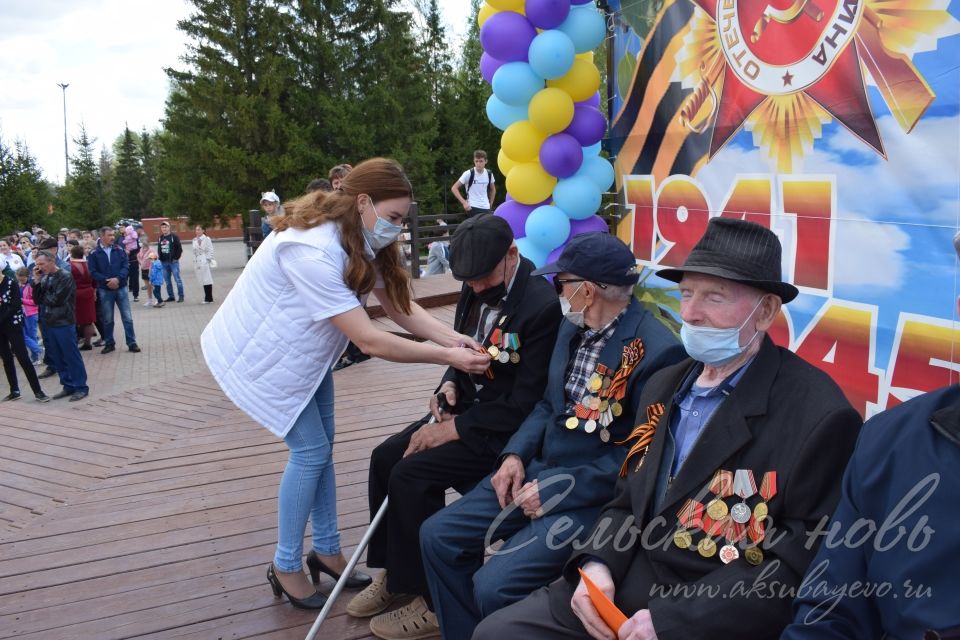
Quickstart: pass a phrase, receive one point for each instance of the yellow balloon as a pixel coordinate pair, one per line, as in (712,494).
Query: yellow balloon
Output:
(586,55)
(485,12)
(521,141)
(551,110)
(505,163)
(528,183)
(506,5)
(581,82)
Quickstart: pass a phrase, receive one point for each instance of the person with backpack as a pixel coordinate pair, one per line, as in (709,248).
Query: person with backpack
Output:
(480,186)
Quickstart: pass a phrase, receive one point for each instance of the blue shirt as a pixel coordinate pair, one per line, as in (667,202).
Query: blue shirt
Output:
(697,405)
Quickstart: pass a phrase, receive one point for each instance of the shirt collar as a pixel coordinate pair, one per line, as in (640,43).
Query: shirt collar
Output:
(726,387)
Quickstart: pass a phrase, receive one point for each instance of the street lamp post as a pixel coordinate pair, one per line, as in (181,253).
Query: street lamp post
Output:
(66,157)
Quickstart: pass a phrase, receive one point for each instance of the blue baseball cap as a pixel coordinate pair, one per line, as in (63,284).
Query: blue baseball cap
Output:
(597,257)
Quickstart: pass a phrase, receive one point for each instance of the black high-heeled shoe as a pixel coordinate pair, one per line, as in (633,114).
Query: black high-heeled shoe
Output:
(316,601)
(358,580)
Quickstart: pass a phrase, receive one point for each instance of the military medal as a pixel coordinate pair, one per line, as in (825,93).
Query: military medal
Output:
(515,357)
(504,357)
(494,351)
(604,435)
(728,553)
(753,555)
(744,486)
(682,539)
(768,489)
(707,548)
(590,426)
(616,409)
(571,423)
(722,486)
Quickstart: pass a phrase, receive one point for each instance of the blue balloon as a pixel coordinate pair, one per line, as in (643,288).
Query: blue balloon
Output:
(586,28)
(503,115)
(547,227)
(551,54)
(592,150)
(515,83)
(532,252)
(579,197)
(599,170)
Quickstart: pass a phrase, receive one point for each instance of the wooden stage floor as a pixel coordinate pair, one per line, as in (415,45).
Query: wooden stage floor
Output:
(152,513)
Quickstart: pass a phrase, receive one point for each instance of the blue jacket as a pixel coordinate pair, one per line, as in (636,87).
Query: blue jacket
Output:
(101,269)
(907,456)
(548,448)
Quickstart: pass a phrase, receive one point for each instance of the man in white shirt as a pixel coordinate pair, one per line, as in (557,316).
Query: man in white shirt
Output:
(479,186)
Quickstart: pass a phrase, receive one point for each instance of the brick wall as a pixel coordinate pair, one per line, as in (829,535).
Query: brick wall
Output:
(182,227)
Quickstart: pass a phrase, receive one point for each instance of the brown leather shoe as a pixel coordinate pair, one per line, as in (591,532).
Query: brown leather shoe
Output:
(372,600)
(410,622)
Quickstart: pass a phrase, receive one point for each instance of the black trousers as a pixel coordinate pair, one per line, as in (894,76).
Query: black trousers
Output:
(208,293)
(416,486)
(12,344)
(133,277)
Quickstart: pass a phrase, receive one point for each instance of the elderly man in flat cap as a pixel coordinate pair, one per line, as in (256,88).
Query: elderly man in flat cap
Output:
(515,316)
(738,455)
(560,467)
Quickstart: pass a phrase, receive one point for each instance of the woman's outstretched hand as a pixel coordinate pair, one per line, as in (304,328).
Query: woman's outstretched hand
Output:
(467,360)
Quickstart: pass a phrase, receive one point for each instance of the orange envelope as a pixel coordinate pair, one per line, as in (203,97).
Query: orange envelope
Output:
(607,610)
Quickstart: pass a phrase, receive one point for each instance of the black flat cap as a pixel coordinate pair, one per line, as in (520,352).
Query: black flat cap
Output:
(48,243)
(478,245)
(737,250)
(597,257)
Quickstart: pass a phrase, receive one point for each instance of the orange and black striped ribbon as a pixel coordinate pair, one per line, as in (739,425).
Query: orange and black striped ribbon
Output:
(643,434)
(618,385)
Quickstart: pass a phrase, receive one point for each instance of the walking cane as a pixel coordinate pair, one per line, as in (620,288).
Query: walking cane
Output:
(342,582)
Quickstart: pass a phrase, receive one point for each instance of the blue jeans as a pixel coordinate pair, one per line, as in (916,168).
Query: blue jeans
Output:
(308,487)
(171,271)
(108,298)
(61,345)
(30,335)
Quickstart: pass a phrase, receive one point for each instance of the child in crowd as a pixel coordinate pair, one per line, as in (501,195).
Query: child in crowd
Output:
(145,258)
(156,279)
(31,316)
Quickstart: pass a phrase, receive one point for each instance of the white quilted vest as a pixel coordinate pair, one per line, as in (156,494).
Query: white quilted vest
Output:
(262,346)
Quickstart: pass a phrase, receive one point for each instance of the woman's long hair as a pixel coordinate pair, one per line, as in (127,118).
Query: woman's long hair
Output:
(381,179)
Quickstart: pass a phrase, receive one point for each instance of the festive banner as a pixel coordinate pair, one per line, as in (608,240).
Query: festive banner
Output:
(836,123)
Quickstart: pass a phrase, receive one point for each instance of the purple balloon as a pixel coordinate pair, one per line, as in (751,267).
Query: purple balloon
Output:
(561,155)
(547,14)
(588,125)
(587,225)
(489,66)
(516,216)
(592,101)
(507,36)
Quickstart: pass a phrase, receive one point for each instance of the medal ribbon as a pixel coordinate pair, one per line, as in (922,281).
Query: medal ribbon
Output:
(643,433)
(722,483)
(755,530)
(632,355)
(734,531)
(768,486)
(744,484)
(714,527)
(691,514)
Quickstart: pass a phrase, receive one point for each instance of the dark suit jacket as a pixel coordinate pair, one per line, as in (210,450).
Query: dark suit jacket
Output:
(548,448)
(487,418)
(785,416)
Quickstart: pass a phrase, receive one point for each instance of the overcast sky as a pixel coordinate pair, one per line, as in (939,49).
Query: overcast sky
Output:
(111,53)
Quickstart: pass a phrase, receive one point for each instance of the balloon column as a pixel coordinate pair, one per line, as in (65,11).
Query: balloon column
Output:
(538,57)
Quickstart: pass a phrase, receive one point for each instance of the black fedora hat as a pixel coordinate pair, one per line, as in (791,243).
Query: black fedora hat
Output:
(737,250)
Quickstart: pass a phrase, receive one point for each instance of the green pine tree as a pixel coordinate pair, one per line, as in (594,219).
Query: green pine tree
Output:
(81,196)
(24,194)
(148,185)
(128,179)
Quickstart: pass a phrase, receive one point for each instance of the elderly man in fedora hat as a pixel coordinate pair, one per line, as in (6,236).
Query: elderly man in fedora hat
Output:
(514,315)
(737,457)
(560,467)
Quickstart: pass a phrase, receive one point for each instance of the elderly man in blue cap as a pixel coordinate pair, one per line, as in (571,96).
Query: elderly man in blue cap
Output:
(560,467)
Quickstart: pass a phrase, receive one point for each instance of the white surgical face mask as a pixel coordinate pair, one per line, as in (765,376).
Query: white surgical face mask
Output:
(384,232)
(715,347)
(576,317)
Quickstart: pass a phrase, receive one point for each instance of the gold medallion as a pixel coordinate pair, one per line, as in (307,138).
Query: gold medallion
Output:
(682,539)
(594,403)
(753,555)
(493,350)
(717,509)
(760,511)
(616,409)
(707,548)
(604,405)
(515,358)
(572,423)
(594,384)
